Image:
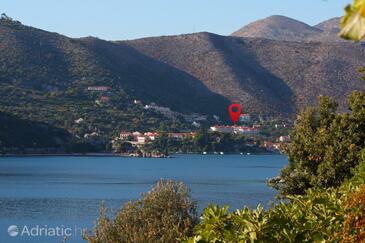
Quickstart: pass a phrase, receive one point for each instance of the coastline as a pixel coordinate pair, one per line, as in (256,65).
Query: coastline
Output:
(67,155)
(121,155)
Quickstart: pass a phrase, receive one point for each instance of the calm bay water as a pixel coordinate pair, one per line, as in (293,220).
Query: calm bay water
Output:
(66,192)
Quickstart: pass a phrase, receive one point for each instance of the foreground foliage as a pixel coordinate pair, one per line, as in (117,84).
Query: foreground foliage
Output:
(165,214)
(321,215)
(325,146)
(353,23)
(168,214)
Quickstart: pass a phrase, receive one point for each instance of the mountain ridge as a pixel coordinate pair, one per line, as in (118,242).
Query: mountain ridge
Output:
(244,64)
(277,27)
(90,61)
(191,73)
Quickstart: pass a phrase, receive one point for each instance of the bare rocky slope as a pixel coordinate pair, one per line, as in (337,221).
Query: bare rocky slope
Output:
(282,28)
(266,76)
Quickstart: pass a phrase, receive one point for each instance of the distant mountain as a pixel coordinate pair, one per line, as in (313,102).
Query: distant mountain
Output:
(331,26)
(266,76)
(286,29)
(278,28)
(44,76)
(225,66)
(47,61)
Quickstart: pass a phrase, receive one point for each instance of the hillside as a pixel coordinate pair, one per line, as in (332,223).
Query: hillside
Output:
(278,28)
(44,77)
(282,28)
(224,67)
(268,76)
(46,62)
(331,26)
(21,134)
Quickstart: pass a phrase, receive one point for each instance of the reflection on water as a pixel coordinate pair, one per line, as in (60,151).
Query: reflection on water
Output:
(69,190)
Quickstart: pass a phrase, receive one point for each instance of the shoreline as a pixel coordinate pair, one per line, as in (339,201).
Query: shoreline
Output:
(67,155)
(121,155)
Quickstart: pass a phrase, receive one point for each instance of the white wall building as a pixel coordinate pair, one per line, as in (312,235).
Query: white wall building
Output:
(222,129)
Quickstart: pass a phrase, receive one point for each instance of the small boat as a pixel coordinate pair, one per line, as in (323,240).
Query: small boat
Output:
(221,153)
(248,154)
(204,152)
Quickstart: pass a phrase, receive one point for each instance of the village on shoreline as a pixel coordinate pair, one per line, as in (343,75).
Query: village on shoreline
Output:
(148,144)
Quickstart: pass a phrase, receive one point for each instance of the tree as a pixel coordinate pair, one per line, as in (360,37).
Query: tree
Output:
(325,146)
(123,147)
(202,140)
(165,214)
(161,144)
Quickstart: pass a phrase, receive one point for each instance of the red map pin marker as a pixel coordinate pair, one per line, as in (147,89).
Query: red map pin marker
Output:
(235,112)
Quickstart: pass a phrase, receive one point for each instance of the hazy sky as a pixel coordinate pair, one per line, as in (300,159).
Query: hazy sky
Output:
(130,19)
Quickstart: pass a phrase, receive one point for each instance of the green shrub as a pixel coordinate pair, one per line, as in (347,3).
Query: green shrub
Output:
(315,217)
(359,171)
(320,215)
(165,214)
(325,147)
(218,225)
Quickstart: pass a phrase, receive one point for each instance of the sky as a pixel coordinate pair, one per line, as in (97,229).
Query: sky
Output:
(132,19)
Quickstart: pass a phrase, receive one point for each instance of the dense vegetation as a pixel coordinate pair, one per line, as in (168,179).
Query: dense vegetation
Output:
(165,214)
(206,141)
(325,146)
(321,215)
(62,109)
(17,135)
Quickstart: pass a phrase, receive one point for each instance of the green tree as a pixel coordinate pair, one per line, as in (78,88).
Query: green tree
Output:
(325,146)
(202,140)
(165,214)
(315,217)
(161,144)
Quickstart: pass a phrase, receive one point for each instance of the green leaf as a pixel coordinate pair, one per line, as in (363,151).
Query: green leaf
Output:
(353,23)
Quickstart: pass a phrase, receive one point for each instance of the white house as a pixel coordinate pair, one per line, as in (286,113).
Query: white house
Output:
(151,135)
(284,139)
(245,118)
(125,135)
(141,139)
(245,130)
(222,129)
